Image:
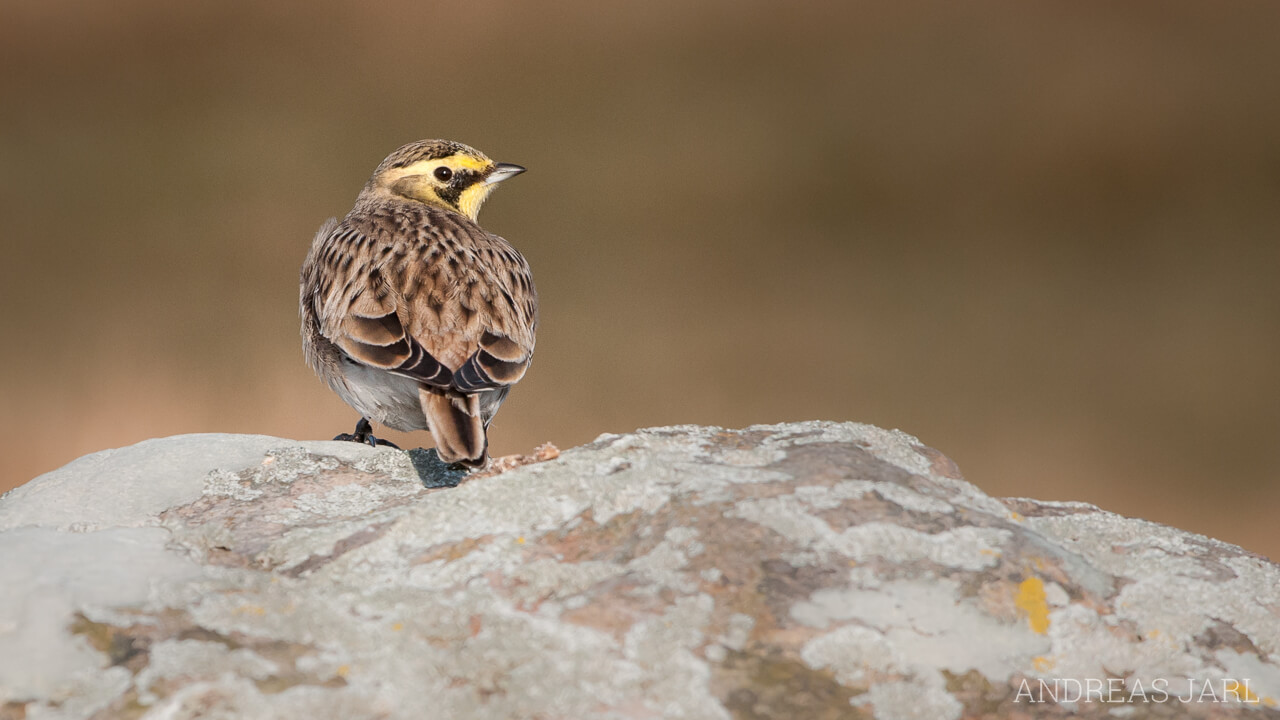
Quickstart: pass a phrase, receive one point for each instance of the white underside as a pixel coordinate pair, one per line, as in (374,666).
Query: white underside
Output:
(392,400)
(383,397)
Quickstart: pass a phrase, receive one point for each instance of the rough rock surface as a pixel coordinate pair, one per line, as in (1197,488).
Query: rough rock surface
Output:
(810,570)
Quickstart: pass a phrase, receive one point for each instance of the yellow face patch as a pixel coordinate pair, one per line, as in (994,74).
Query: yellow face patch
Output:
(428,167)
(453,162)
(469,163)
(419,181)
(473,197)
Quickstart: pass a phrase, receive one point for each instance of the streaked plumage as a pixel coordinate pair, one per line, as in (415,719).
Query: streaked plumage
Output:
(413,314)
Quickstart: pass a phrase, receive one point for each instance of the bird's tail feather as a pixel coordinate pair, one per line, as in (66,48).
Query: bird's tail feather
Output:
(456,426)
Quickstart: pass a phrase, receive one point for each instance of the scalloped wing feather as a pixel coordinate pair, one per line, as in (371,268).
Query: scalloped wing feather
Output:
(463,318)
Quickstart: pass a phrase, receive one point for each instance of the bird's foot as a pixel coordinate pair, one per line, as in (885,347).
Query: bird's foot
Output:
(364,434)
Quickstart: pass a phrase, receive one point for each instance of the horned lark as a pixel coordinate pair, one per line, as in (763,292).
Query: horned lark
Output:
(413,314)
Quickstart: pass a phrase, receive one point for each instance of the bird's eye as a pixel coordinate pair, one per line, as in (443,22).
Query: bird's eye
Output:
(443,174)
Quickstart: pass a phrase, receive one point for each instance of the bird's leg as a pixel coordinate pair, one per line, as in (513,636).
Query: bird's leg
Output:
(364,434)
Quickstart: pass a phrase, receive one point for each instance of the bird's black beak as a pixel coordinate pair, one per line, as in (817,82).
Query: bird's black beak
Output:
(501,172)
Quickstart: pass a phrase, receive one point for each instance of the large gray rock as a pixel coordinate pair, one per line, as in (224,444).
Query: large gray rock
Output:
(810,570)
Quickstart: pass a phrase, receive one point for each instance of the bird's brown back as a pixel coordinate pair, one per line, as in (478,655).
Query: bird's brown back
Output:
(448,281)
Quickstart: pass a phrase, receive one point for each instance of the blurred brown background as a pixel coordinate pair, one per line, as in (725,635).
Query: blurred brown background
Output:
(1040,236)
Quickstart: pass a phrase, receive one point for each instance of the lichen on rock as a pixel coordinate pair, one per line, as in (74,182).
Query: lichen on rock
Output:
(805,570)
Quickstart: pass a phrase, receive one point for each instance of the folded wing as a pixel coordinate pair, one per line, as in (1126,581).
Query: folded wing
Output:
(480,315)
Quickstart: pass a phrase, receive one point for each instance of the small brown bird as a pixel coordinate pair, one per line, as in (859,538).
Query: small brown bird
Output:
(413,314)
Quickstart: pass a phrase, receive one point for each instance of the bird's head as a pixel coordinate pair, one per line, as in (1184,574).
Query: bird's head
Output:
(443,173)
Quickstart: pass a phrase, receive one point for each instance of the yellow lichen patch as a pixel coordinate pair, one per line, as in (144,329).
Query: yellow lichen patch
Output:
(251,610)
(342,670)
(397,627)
(1031,600)
(1239,691)
(1042,663)
(520,540)
(1270,701)
(1016,517)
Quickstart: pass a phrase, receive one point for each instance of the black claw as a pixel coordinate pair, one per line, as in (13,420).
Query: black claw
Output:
(364,431)
(364,434)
